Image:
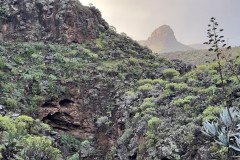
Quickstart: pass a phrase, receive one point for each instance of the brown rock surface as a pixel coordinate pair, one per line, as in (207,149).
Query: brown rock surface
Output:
(58,21)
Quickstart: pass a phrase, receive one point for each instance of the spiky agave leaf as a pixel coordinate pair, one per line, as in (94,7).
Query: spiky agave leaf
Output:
(210,129)
(225,117)
(223,137)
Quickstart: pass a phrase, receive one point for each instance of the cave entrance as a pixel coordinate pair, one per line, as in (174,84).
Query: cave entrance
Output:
(65,102)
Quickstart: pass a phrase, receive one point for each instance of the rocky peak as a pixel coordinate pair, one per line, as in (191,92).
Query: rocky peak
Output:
(61,21)
(163,40)
(163,33)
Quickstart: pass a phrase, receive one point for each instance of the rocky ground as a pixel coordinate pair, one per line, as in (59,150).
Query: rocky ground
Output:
(106,96)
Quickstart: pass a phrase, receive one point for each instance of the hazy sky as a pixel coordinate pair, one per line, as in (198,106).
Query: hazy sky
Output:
(187,18)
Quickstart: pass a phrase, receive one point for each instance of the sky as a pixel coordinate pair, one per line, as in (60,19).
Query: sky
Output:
(188,18)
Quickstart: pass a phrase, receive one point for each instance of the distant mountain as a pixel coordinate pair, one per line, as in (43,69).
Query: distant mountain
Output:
(163,40)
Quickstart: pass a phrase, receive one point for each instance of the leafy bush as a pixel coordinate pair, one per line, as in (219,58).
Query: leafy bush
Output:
(7,124)
(153,123)
(144,81)
(11,104)
(39,148)
(170,73)
(211,112)
(2,63)
(74,157)
(145,87)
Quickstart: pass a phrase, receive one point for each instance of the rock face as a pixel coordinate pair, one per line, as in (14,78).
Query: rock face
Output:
(163,40)
(61,21)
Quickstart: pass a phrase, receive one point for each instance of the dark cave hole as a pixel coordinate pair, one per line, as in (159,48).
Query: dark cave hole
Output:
(164,158)
(133,157)
(48,104)
(65,102)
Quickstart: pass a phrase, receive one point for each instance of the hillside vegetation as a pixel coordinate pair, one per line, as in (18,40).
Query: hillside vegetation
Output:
(199,57)
(108,98)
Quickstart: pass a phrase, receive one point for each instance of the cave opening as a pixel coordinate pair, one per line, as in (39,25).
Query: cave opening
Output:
(65,102)
(165,158)
(133,157)
(48,104)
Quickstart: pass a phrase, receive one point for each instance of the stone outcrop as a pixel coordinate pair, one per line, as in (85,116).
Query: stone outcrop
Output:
(163,40)
(61,21)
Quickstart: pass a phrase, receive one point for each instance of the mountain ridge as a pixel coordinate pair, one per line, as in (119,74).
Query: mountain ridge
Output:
(163,40)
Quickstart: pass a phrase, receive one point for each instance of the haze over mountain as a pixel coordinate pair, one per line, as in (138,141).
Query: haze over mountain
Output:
(163,40)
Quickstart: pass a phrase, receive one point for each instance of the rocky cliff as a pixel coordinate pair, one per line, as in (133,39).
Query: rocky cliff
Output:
(163,40)
(61,21)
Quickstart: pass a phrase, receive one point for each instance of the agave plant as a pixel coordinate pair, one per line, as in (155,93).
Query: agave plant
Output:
(225,131)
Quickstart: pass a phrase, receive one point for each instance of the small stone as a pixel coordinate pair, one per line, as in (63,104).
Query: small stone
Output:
(15,115)
(1,107)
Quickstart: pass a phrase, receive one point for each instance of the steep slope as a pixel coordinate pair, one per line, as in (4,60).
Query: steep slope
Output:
(163,40)
(62,21)
(110,98)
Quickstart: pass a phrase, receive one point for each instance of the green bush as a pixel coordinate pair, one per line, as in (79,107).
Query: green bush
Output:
(74,157)
(170,73)
(11,104)
(39,148)
(148,103)
(159,81)
(144,81)
(145,87)
(177,87)
(2,63)
(7,124)
(153,123)
(211,113)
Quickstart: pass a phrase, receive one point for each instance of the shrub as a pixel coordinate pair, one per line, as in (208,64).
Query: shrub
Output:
(6,124)
(148,103)
(159,81)
(145,87)
(153,123)
(181,102)
(170,73)
(211,112)
(144,81)
(177,87)
(2,63)
(11,104)
(74,157)
(69,144)
(39,148)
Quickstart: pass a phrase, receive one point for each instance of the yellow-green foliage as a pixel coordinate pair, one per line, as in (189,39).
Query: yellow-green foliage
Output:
(181,102)
(130,93)
(23,123)
(144,81)
(40,145)
(153,123)
(220,152)
(170,73)
(7,124)
(148,103)
(1,147)
(177,87)
(211,112)
(145,87)
(151,139)
(159,81)
(24,118)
